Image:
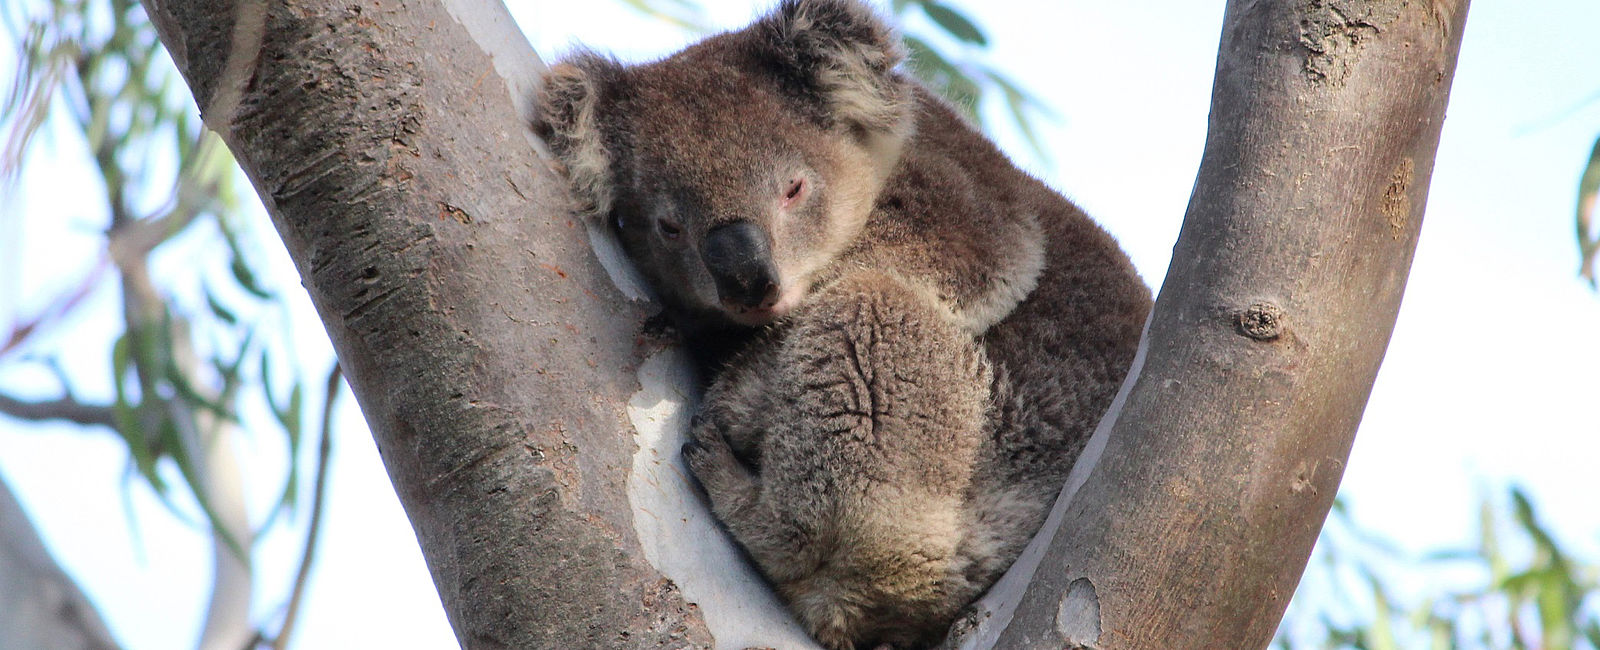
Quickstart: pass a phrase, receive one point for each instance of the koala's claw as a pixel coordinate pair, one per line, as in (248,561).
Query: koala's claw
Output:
(693,448)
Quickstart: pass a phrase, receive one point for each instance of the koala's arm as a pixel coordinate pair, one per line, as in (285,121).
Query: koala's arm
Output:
(840,458)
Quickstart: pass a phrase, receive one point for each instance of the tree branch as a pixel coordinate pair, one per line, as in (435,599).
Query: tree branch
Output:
(303,574)
(40,606)
(1191,524)
(488,351)
(64,408)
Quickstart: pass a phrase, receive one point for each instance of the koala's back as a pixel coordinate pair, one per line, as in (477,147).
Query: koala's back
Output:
(1057,305)
(1036,289)
(1059,352)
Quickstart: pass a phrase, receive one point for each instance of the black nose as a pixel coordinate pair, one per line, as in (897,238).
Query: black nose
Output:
(740,261)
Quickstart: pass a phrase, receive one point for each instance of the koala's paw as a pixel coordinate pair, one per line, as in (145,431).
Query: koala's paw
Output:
(713,464)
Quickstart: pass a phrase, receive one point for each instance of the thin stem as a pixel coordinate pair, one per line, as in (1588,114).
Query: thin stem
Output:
(324,449)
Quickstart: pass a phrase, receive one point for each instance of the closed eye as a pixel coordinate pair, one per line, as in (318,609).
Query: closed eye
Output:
(796,187)
(669,228)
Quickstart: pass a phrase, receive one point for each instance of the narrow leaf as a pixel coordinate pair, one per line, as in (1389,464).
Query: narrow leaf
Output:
(954,22)
(217,307)
(1588,234)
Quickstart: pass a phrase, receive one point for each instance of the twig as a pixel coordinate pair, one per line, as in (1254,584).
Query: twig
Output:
(324,448)
(57,310)
(65,408)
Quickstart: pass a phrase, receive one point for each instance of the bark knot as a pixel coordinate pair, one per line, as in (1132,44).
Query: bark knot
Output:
(1261,321)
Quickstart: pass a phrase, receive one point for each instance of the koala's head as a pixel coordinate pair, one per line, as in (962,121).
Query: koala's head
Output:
(733,171)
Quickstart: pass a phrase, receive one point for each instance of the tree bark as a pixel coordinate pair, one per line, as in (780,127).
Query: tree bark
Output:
(1188,522)
(41,608)
(493,359)
(488,351)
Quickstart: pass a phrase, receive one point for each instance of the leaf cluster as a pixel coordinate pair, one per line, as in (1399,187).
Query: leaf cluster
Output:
(180,369)
(1516,587)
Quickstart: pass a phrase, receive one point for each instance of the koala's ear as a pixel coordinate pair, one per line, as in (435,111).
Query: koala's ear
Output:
(570,102)
(843,53)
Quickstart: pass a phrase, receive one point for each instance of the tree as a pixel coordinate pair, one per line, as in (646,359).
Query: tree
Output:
(384,144)
(177,375)
(1515,587)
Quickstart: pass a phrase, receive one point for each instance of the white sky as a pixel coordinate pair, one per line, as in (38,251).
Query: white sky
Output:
(1491,375)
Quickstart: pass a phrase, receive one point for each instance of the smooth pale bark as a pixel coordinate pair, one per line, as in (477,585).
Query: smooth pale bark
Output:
(41,608)
(493,359)
(1189,521)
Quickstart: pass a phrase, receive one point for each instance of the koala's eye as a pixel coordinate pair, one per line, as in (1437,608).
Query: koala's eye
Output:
(796,187)
(669,228)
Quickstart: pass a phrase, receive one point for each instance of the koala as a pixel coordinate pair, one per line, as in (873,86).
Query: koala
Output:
(908,339)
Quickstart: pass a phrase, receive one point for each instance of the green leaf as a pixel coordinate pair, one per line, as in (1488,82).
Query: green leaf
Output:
(180,454)
(954,22)
(1382,631)
(684,14)
(288,416)
(217,307)
(126,415)
(1555,614)
(241,269)
(925,60)
(1016,103)
(1588,234)
(1489,543)
(192,397)
(247,278)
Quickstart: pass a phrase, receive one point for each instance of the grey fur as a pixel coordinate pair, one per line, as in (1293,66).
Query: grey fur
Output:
(946,330)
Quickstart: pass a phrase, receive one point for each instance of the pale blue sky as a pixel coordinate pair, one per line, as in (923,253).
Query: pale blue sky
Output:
(1492,374)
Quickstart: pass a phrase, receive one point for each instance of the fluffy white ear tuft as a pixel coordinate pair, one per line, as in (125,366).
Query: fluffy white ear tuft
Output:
(569,103)
(842,51)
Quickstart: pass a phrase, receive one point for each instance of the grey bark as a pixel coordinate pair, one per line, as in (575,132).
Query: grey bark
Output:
(492,357)
(1191,528)
(41,608)
(488,351)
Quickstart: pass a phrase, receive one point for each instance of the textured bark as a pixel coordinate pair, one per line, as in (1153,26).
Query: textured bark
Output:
(488,351)
(1193,524)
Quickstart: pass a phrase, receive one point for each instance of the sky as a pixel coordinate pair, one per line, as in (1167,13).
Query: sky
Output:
(1490,379)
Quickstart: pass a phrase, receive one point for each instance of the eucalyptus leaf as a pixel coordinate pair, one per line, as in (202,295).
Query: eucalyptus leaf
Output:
(954,22)
(1588,233)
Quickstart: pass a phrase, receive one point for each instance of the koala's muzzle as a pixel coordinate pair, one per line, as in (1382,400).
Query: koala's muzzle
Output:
(740,261)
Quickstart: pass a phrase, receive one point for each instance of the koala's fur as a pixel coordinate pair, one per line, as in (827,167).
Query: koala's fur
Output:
(926,336)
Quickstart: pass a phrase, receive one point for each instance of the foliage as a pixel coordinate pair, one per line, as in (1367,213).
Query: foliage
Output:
(1588,230)
(1515,588)
(95,69)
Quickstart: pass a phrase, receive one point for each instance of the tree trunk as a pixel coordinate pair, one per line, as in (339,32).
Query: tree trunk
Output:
(1190,518)
(495,362)
(41,608)
(490,354)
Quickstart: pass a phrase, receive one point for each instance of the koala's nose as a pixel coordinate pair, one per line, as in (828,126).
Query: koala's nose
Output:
(740,261)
